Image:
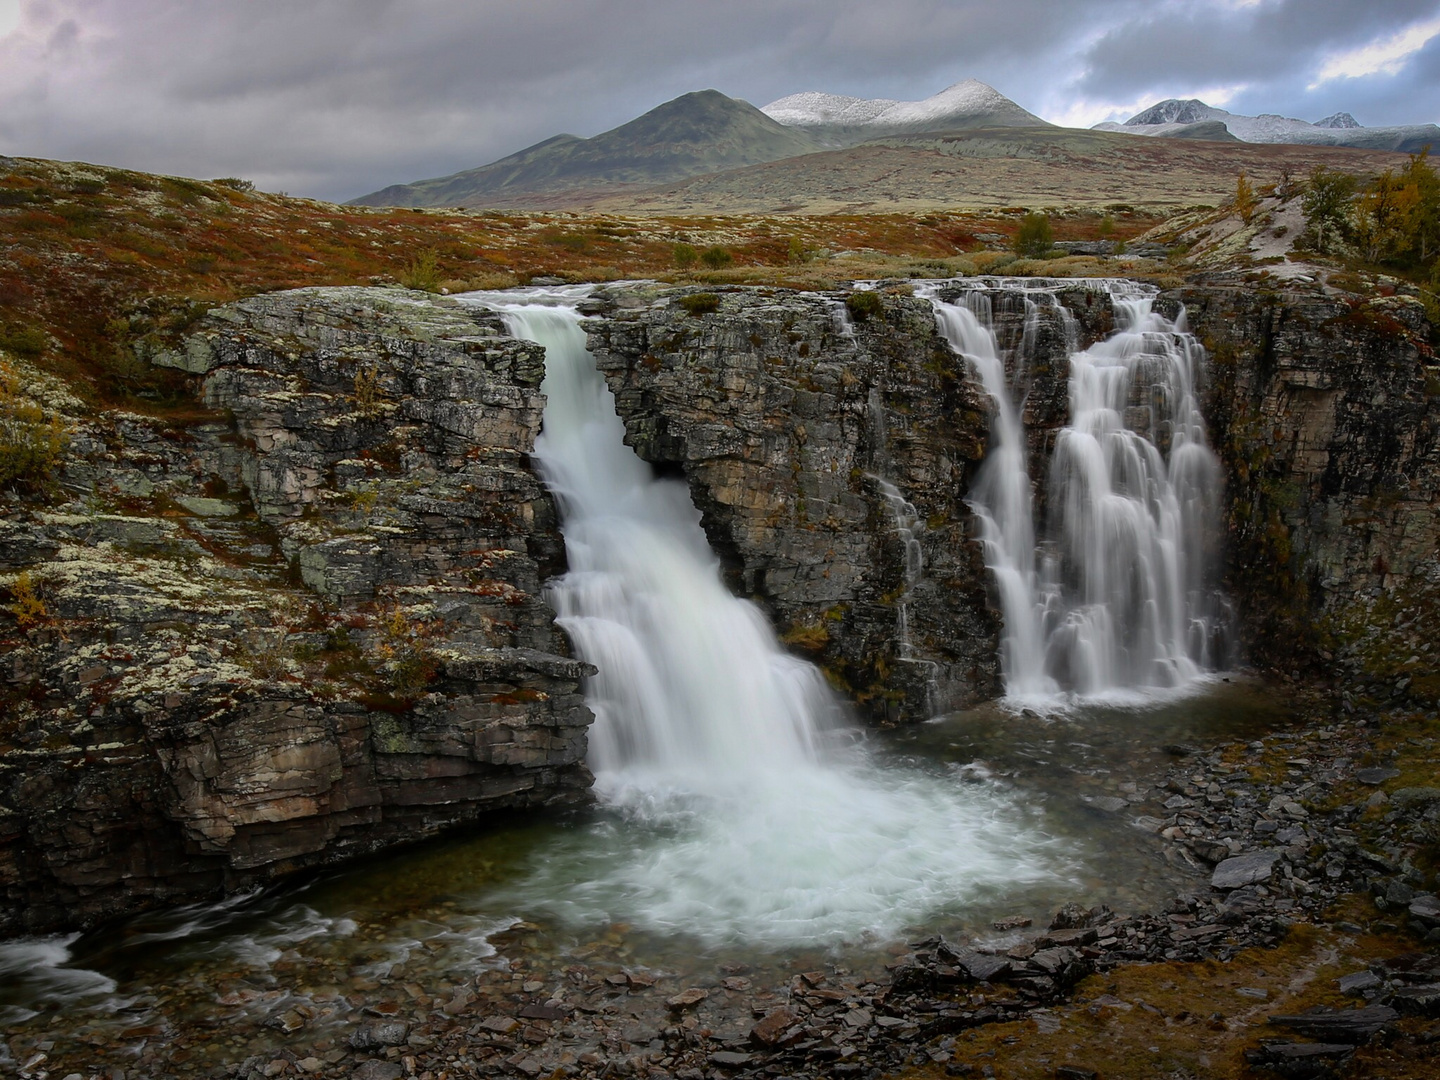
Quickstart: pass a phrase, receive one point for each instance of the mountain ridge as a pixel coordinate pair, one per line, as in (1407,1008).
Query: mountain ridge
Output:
(1173,116)
(699,132)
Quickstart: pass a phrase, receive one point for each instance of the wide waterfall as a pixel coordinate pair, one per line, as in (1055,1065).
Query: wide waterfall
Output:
(1118,592)
(751,812)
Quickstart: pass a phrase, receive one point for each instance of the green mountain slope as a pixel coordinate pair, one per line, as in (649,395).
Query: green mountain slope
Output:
(696,133)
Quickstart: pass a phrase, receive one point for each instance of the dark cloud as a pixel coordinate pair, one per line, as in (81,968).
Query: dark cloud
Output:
(336,97)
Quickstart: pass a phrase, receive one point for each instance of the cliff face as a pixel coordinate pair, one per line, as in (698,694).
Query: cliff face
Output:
(306,627)
(1323,412)
(789,424)
(1326,414)
(306,623)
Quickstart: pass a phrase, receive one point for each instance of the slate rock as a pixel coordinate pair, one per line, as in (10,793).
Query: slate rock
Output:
(1251,868)
(1351,1026)
(1376,776)
(1417,1000)
(687,999)
(378,1070)
(730,1059)
(1358,983)
(1300,1061)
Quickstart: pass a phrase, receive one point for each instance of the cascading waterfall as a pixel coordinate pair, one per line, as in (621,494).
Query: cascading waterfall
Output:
(1120,596)
(747,818)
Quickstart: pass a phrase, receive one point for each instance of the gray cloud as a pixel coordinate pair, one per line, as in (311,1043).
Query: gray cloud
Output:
(335,97)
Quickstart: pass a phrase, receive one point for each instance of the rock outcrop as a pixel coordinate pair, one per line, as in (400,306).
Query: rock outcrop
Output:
(789,423)
(304,626)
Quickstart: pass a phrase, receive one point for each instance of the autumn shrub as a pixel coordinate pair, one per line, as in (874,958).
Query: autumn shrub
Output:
(422,272)
(26,605)
(716,257)
(1034,237)
(685,255)
(863,305)
(703,303)
(31,444)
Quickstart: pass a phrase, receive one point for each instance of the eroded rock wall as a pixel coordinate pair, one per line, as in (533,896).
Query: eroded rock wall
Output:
(787,421)
(305,627)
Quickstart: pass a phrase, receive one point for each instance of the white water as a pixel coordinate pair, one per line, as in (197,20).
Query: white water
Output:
(746,819)
(1120,596)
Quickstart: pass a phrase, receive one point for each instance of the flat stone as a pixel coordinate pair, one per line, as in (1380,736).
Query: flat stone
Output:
(1249,869)
(687,999)
(982,967)
(770,1030)
(730,1059)
(1375,776)
(1076,936)
(208,507)
(1418,1000)
(544,1012)
(1351,1026)
(501,1025)
(1011,922)
(378,1070)
(1358,983)
(1109,803)
(1408,797)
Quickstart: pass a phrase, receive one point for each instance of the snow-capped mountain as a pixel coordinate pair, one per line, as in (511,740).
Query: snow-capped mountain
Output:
(1174,116)
(841,119)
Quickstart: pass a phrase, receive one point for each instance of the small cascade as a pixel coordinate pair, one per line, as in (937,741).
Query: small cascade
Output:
(1118,593)
(909,526)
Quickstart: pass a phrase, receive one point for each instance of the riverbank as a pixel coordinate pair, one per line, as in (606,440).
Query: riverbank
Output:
(1325,817)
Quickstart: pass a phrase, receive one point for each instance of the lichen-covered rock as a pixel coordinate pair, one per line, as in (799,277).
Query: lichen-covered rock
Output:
(305,628)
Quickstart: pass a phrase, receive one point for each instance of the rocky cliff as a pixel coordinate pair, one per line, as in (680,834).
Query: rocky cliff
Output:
(785,421)
(303,625)
(790,422)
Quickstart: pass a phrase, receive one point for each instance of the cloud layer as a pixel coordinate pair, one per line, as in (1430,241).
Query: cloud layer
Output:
(333,98)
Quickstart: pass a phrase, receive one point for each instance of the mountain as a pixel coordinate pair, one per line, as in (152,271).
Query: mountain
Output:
(1179,118)
(837,120)
(696,133)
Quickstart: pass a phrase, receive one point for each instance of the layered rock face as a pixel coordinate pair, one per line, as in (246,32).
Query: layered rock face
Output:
(789,424)
(1326,413)
(302,629)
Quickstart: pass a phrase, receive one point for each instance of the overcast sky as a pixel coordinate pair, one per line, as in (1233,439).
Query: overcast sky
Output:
(334,98)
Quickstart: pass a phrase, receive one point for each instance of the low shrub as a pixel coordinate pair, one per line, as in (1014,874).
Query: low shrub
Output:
(701,303)
(863,305)
(31,444)
(716,257)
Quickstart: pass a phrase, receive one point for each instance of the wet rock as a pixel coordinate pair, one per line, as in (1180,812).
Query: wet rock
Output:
(1249,869)
(686,999)
(771,1030)
(730,1059)
(376,1035)
(500,1025)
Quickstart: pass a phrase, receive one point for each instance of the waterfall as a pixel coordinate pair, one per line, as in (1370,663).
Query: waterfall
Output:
(1120,595)
(745,813)
(645,603)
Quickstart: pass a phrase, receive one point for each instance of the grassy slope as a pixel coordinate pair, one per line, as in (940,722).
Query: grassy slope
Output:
(92,258)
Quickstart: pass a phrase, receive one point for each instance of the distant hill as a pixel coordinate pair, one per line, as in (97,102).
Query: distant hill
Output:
(1035,167)
(1178,118)
(837,120)
(696,133)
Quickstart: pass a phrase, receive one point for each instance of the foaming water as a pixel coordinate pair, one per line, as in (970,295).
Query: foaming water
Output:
(743,813)
(1116,601)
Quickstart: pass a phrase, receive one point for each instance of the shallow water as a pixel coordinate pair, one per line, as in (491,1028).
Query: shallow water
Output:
(618,890)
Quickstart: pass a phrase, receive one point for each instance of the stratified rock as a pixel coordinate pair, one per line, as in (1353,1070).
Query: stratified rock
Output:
(209,705)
